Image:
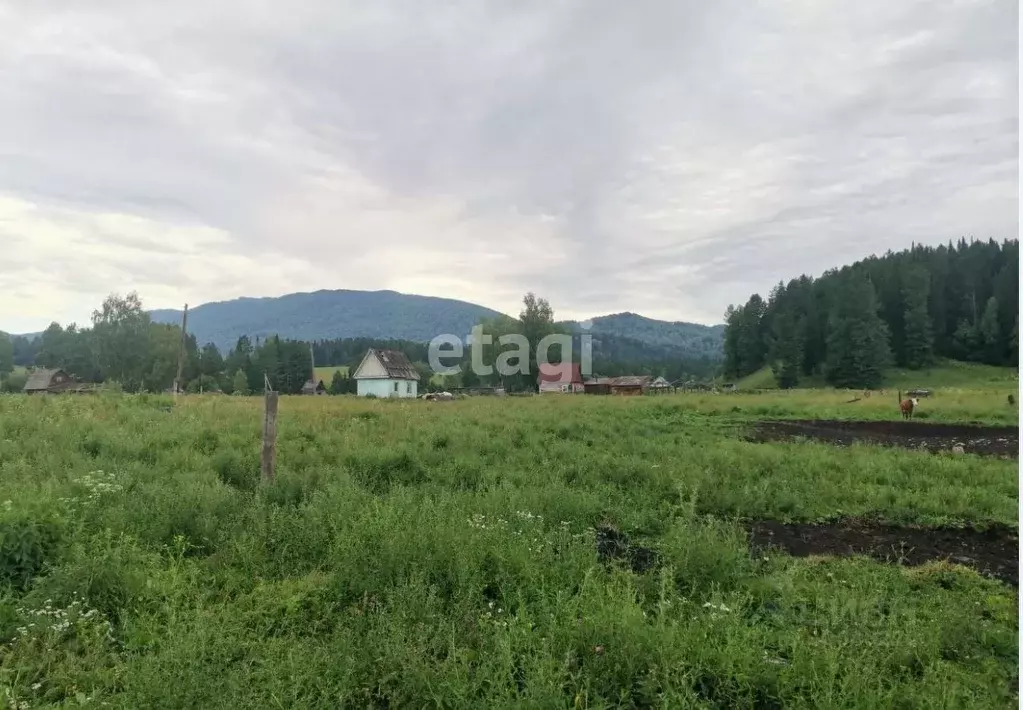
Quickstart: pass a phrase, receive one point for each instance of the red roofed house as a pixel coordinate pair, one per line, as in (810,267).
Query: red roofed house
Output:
(562,377)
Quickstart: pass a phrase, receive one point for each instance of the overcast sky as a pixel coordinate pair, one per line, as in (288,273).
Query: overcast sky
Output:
(666,158)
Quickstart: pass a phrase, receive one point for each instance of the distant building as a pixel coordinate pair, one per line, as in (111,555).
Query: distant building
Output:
(630,384)
(386,373)
(660,384)
(598,385)
(314,388)
(561,377)
(44,381)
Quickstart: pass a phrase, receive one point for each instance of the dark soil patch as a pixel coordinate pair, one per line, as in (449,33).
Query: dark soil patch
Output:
(1002,442)
(993,551)
(614,545)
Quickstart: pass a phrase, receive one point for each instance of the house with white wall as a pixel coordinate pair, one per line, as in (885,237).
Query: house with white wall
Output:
(386,373)
(559,377)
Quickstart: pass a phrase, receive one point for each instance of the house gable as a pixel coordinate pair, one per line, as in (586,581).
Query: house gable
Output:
(392,364)
(370,367)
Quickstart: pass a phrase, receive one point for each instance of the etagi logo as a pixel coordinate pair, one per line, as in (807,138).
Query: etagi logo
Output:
(512,360)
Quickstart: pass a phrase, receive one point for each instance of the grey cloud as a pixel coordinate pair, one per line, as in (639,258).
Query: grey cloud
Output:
(719,137)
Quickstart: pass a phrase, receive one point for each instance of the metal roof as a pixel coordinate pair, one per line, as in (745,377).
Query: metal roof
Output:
(631,381)
(397,364)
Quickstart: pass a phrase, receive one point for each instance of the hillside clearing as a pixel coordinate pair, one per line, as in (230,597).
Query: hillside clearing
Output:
(947,374)
(326,374)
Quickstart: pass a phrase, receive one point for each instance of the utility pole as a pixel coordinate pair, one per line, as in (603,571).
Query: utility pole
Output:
(312,365)
(268,455)
(181,351)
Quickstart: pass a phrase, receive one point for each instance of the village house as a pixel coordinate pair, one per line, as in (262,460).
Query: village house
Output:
(386,373)
(630,384)
(561,377)
(660,385)
(47,381)
(598,385)
(314,388)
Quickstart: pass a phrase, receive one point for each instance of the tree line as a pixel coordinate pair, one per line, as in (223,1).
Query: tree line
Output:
(123,345)
(906,308)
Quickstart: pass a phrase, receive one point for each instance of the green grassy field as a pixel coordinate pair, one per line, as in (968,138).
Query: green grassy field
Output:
(945,374)
(327,373)
(416,554)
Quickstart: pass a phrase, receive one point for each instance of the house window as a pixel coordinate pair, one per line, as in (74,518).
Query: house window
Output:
(395,386)
(408,388)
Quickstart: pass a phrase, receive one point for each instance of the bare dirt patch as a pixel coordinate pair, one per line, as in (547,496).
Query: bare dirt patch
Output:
(1002,442)
(993,551)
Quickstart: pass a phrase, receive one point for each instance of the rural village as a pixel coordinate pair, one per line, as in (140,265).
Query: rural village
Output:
(575,356)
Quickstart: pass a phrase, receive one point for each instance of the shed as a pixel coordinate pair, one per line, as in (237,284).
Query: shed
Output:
(48,381)
(314,388)
(598,385)
(660,384)
(630,384)
(560,377)
(386,373)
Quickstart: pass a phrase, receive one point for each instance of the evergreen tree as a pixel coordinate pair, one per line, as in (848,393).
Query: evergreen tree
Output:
(966,341)
(786,353)
(745,342)
(338,383)
(857,343)
(1014,341)
(990,334)
(239,355)
(6,355)
(918,340)
(752,346)
(210,363)
(733,317)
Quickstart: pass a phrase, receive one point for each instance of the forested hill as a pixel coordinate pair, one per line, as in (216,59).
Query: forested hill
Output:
(958,301)
(322,315)
(335,315)
(691,338)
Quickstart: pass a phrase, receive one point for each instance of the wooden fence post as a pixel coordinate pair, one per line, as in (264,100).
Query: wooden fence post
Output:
(269,457)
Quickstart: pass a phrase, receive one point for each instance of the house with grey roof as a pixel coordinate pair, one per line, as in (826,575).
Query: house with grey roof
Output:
(48,381)
(386,373)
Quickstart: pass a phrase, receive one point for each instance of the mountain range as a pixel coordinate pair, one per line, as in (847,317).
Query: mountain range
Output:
(332,314)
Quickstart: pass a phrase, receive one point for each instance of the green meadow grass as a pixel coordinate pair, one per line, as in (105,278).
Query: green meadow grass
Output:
(326,374)
(417,554)
(945,374)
